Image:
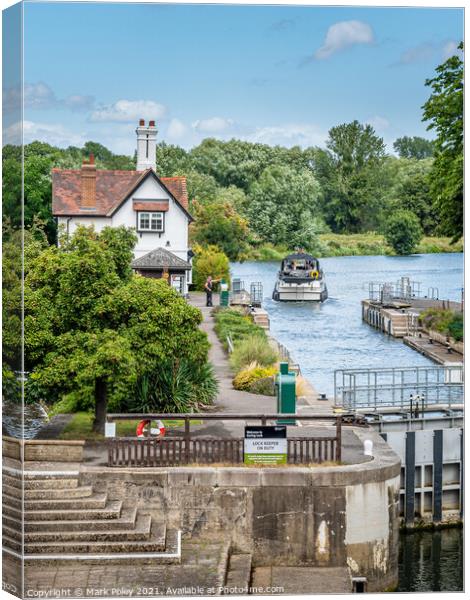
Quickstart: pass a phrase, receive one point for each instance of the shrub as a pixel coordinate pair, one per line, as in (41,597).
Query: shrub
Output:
(245,378)
(403,231)
(254,348)
(174,386)
(209,260)
(456,328)
(444,321)
(264,386)
(234,323)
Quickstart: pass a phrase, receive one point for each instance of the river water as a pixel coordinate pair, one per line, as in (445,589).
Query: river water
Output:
(329,336)
(322,338)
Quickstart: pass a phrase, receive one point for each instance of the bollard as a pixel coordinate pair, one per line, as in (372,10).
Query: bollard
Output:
(368,446)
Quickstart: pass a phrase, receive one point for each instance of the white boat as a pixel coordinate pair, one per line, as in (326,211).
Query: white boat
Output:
(300,279)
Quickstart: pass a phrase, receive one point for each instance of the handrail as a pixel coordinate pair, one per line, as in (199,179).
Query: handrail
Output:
(222,416)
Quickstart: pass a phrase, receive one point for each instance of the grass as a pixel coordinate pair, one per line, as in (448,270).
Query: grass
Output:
(357,244)
(80,427)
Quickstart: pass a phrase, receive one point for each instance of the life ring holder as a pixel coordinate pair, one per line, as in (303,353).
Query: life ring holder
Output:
(157,432)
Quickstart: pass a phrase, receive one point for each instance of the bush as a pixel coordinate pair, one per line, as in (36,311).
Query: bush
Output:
(245,379)
(209,260)
(403,232)
(174,386)
(234,323)
(254,348)
(444,321)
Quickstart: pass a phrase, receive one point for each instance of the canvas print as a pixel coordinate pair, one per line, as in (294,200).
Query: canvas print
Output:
(233,299)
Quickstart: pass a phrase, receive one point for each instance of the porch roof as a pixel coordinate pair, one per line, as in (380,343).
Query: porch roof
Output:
(160,258)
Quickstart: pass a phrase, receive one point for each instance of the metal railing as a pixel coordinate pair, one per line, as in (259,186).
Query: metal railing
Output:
(182,448)
(404,289)
(394,387)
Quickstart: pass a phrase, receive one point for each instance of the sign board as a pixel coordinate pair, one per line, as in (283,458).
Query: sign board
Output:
(110,429)
(265,445)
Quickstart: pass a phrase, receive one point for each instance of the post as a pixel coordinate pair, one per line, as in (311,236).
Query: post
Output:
(187,439)
(338,439)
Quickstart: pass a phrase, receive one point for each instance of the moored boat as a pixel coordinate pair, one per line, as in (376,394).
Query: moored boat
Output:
(300,279)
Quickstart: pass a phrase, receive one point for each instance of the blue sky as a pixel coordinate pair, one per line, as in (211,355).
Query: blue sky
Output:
(274,74)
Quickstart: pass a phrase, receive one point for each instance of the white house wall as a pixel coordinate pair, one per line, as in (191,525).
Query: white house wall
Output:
(176,222)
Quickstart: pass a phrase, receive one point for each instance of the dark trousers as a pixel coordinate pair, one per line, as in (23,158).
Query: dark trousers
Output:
(208,298)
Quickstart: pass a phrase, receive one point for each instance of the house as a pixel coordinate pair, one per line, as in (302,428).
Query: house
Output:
(157,207)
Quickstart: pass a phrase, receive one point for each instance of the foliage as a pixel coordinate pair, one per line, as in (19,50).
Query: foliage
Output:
(211,261)
(176,386)
(446,322)
(91,329)
(233,323)
(283,207)
(403,232)
(413,147)
(351,175)
(253,348)
(444,111)
(251,373)
(218,224)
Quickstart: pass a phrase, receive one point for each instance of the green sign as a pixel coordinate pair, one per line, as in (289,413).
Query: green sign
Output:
(265,445)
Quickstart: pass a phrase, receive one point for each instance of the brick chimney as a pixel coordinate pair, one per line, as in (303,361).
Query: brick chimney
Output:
(89,184)
(146,145)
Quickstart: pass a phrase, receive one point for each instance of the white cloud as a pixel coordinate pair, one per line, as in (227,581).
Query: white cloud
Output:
(378,123)
(290,134)
(449,49)
(342,35)
(40,96)
(418,53)
(176,129)
(129,110)
(51,133)
(78,103)
(213,125)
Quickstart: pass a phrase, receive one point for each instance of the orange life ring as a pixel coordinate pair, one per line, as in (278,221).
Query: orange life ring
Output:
(142,427)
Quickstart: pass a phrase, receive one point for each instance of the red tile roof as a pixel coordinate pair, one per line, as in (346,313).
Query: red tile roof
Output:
(112,188)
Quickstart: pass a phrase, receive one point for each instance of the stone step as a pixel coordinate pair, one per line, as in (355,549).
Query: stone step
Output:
(140,532)
(47,493)
(139,555)
(112,510)
(12,523)
(126,521)
(23,483)
(93,501)
(13,533)
(155,542)
(84,491)
(12,543)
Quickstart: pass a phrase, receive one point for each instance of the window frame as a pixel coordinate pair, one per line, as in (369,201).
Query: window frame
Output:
(160,217)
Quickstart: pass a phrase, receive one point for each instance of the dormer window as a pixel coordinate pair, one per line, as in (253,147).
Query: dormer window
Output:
(151,221)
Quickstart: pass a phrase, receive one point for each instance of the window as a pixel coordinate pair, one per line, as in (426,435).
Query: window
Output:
(150,221)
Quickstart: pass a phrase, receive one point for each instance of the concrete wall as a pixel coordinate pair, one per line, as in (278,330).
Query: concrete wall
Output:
(322,516)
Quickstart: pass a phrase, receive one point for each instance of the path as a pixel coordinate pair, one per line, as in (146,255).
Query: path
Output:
(230,400)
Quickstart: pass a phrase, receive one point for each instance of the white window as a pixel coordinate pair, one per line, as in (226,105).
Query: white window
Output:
(151,221)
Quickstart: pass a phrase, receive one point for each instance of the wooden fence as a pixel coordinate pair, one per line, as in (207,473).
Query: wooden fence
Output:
(183,448)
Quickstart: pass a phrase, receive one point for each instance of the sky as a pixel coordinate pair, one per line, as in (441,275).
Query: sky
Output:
(271,74)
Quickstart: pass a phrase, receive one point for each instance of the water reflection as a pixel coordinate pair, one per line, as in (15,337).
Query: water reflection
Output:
(431,561)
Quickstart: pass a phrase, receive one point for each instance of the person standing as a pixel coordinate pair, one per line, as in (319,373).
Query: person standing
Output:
(209,287)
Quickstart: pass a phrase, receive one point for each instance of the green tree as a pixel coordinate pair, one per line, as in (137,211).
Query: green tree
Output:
(172,160)
(350,172)
(283,206)
(209,260)
(218,224)
(444,111)
(413,147)
(403,232)
(92,329)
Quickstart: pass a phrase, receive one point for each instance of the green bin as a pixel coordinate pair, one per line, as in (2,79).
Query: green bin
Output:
(224,293)
(285,392)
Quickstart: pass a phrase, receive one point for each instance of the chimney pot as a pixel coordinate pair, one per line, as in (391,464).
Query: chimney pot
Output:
(142,122)
(92,158)
(151,123)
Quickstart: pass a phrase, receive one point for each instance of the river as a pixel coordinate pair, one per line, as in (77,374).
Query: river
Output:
(322,338)
(329,336)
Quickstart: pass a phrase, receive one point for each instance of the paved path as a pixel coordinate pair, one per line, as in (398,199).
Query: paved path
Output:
(228,399)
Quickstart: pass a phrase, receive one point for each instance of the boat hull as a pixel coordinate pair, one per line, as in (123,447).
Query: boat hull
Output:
(292,292)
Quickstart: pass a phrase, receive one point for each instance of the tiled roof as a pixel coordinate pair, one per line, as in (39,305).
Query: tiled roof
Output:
(112,188)
(160,259)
